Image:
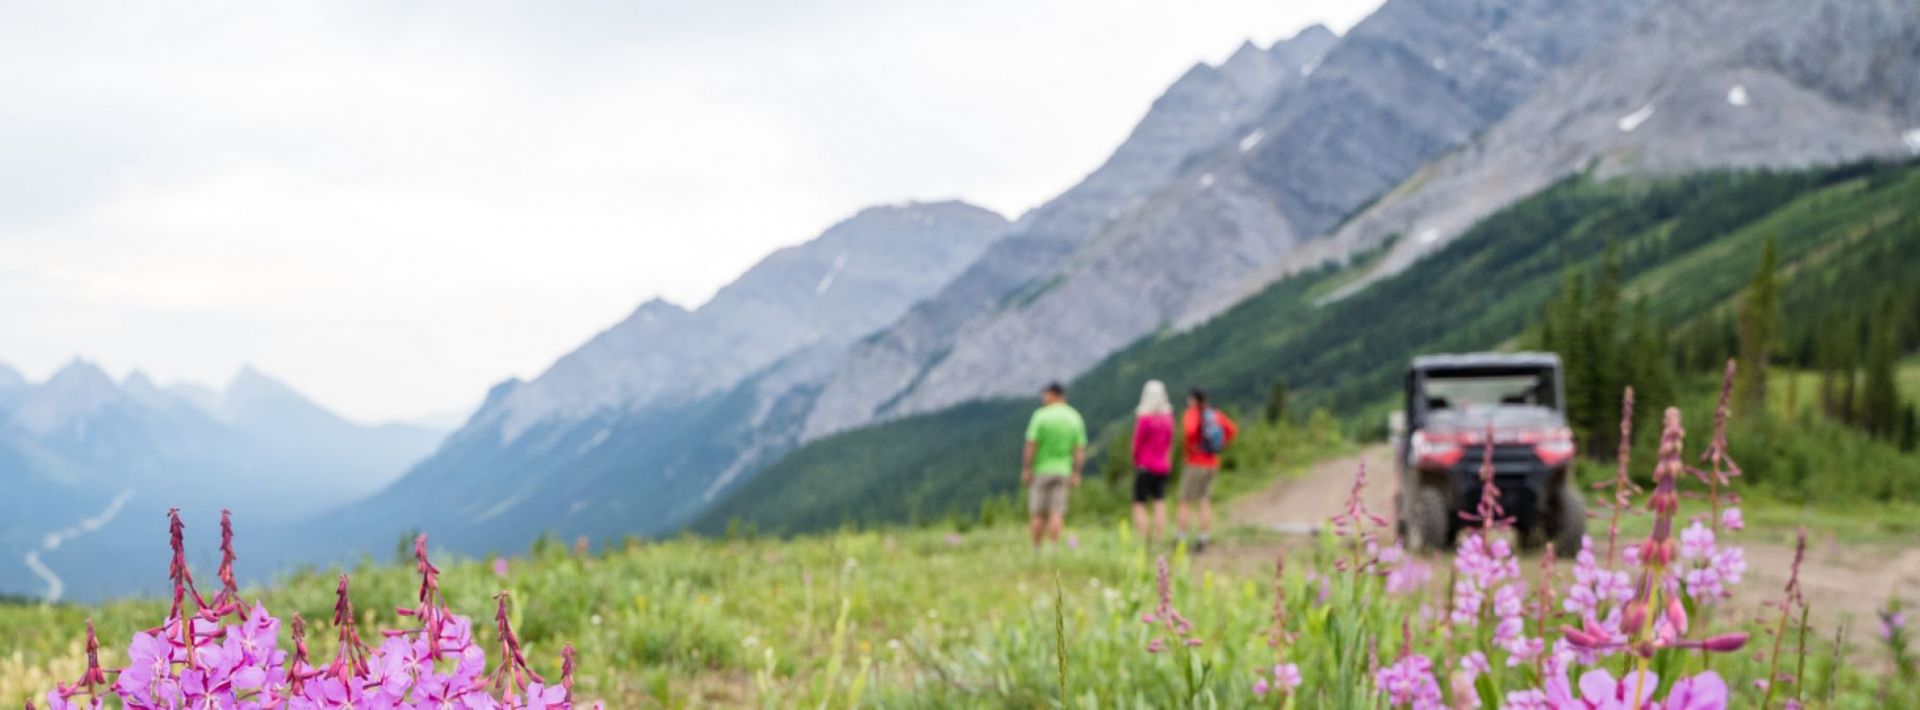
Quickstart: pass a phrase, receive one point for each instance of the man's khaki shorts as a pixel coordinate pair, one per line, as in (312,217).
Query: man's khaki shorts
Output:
(1196,483)
(1048,494)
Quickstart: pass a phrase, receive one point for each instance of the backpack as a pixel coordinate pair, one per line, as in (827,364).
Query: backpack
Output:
(1213,437)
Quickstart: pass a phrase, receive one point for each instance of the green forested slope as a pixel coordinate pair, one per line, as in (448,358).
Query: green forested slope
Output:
(1688,245)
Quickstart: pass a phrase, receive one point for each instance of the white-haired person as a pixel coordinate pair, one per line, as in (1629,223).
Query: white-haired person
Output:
(1152,459)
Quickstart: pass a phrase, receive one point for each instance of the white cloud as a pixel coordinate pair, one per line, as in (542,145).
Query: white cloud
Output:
(393,205)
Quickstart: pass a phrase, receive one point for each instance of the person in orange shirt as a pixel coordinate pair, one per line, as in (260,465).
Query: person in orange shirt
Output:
(1207,432)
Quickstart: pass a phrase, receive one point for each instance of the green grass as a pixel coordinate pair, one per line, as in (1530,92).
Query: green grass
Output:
(906,618)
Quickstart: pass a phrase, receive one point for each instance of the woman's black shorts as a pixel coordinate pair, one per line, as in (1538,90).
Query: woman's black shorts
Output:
(1149,487)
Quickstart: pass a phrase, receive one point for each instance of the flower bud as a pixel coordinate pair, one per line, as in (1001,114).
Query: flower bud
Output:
(1634,616)
(1725,643)
(1677,615)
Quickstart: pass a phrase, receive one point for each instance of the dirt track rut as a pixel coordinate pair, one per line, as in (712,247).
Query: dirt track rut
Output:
(1839,580)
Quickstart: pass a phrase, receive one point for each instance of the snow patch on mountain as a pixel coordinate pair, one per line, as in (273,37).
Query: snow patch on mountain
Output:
(826,282)
(1252,139)
(1912,139)
(1737,96)
(1633,120)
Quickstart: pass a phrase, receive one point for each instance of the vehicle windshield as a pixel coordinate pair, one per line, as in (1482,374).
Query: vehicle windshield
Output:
(1446,390)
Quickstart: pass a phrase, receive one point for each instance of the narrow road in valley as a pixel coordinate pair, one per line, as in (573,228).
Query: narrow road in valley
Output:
(56,587)
(1839,580)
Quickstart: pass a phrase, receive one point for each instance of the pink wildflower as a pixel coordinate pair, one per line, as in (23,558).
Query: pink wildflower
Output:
(1475,664)
(1410,681)
(1731,520)
(1287,675)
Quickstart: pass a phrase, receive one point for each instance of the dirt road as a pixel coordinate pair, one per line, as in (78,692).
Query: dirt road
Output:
(1839,580)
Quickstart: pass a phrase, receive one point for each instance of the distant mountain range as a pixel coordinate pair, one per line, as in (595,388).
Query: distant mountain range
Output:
(1425,120)
(90,464)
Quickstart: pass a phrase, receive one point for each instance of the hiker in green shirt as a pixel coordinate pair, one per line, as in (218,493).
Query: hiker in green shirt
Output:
(1050,463)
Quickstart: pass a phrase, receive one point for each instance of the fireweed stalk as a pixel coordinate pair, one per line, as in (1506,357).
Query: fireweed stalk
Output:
(1284,678)
(1623,486)
(1353,523)
(1657,617)
(1722,467)
(1790,598)
(1178,630)
(212,654)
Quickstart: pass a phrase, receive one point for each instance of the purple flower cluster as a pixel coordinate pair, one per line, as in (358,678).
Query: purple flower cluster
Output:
(1405,573)
(1711,569)
(1284,679)
(213,654)
(1410,681)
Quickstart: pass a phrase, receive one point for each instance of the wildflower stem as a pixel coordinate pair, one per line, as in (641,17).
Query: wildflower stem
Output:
(1800,672)
(1060,634)
(1620,480)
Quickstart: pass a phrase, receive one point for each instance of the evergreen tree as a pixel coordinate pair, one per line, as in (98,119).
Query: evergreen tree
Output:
(1277,403)
(1880,400)
(1846,346)
(1567,329)
(1908,426)
(1650,367)
(1605,367)
(1759,329)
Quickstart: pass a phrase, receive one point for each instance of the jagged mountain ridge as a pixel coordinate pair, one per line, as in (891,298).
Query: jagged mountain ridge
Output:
(1204,107)
(1696,84)
(785,302)
(638,427)
(1411,81)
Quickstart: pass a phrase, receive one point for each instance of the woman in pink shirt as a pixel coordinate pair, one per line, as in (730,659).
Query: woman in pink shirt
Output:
(1152,458)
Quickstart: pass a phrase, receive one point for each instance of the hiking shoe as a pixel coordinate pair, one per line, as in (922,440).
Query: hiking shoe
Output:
(1199,545)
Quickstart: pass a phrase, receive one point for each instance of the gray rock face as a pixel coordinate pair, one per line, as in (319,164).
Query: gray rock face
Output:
(1204,107)
(639,426)
(857,276)
(1696,84)
(1409,83)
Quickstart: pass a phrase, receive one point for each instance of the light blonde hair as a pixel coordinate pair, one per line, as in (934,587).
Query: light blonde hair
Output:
(1153,399)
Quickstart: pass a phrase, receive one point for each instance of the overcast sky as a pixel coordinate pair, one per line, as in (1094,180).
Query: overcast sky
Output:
(394,205)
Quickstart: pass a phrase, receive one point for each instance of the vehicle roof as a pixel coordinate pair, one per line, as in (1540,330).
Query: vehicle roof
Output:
(1451,361)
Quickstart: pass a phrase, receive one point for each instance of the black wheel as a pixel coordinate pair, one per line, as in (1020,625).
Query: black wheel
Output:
(1428,517)
(1566,519)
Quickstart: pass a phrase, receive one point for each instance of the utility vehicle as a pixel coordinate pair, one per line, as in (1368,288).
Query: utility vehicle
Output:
(1455,406)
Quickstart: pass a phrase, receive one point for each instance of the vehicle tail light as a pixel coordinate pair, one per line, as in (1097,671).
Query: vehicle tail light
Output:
(1436,452)
(1556,448)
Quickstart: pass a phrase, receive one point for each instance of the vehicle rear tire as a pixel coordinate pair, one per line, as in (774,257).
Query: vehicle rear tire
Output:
(1566,519)
(1429,516)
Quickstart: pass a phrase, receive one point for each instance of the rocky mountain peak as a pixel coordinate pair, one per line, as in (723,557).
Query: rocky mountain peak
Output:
(76,391)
